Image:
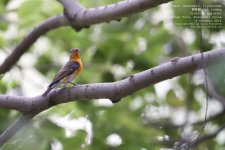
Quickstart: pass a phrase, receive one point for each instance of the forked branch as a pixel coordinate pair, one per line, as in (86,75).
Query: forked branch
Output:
(114,91)
(79,17)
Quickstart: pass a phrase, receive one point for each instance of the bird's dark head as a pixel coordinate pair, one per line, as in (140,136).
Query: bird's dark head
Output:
(75,50)
(75,53)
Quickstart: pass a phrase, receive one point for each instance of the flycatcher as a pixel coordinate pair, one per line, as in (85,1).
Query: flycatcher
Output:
(68,72)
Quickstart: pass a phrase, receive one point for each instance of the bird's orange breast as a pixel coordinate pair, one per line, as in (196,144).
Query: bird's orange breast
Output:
(77,72)
(76,57)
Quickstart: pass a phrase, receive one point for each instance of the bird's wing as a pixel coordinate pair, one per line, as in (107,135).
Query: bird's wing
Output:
(66,70)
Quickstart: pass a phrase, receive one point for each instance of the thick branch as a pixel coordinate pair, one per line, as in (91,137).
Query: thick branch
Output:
(84,17)
(113,91)
(24,45)
(15,102)
(16,126)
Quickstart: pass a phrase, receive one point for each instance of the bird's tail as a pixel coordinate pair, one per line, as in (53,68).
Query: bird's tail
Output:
(48,90)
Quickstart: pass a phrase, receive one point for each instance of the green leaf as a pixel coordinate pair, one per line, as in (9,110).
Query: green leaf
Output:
(173,100)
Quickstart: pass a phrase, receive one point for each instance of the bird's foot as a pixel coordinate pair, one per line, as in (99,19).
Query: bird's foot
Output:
(73,83)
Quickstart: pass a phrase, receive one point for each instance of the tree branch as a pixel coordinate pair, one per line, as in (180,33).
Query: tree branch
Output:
(79,17)
(24,45)
(82,17)
(18,103)
(115,90)
(16,126)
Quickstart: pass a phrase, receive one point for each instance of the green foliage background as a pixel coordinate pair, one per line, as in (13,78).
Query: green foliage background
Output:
(110,52)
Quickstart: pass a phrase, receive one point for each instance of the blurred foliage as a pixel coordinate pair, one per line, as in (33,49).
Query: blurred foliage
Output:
(110,52)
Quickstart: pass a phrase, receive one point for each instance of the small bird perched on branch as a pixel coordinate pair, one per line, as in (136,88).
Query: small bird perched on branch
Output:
(68,72)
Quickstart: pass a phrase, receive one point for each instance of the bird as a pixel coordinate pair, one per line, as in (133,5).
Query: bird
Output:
(68,72)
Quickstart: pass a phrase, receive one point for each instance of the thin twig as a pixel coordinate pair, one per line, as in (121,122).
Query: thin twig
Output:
(181,143)
(208,136)
(201,48)
(213,93)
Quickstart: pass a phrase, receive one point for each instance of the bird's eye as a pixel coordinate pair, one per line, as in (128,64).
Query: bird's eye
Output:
(74,50)
(77,50)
